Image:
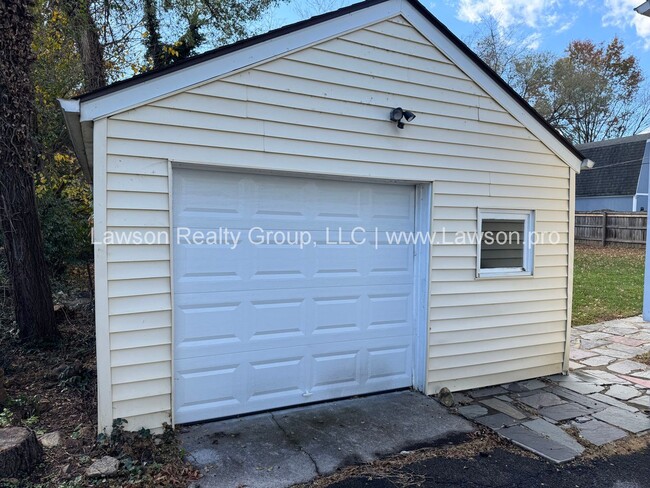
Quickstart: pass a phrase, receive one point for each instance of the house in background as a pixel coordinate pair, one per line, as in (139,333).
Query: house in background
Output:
(299,130)
(619,179)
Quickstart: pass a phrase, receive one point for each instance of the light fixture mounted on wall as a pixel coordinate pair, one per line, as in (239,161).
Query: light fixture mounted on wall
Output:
(398,114)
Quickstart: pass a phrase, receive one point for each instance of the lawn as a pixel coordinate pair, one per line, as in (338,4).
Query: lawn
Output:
(607,283)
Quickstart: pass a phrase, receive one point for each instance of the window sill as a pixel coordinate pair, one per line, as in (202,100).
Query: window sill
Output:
(504,274)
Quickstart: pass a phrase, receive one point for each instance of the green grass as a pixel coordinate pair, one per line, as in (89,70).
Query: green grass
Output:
(607,283)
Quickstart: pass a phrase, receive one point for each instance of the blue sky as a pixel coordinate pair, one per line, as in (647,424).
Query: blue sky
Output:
(547,24)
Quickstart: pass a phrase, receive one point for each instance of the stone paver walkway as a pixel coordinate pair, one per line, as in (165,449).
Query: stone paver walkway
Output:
(606,397)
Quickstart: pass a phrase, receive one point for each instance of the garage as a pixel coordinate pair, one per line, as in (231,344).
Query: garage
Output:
(374,116)
(264,320)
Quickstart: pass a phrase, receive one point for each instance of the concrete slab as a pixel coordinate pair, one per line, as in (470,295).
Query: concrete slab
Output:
(250,451)
(283,448)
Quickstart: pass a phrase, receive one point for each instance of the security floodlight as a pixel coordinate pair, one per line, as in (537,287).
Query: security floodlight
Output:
(397,114)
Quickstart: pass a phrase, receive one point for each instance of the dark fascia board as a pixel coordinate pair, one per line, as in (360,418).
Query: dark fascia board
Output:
(221,51)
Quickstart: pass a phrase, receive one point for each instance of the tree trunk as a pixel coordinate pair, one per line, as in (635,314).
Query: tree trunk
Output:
(87,40)
(20,451)
(19,222)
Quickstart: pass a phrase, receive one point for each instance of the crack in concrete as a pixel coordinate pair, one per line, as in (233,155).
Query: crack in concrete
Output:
(297,444)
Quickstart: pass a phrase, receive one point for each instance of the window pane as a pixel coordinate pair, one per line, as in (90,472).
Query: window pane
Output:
(502,244)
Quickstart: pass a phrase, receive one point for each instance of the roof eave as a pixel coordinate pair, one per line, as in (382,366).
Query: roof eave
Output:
(80,135)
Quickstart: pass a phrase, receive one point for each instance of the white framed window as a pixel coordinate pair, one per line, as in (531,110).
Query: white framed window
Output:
(505,244)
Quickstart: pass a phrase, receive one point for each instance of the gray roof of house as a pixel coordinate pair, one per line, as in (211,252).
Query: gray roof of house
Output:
(617,166)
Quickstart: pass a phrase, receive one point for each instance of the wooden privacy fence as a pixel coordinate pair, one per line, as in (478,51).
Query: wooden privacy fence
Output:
(602,228)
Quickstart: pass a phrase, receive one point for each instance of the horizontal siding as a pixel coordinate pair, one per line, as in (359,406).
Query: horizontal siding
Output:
(324,110)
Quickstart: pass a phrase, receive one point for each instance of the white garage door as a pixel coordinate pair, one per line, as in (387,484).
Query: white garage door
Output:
(260,326)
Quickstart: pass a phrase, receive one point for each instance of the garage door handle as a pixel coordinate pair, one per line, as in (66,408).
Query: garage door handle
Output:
(307,394)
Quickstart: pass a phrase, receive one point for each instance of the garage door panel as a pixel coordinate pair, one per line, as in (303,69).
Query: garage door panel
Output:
(221,323)
(261,326)
(253,200)
(204,268)
(273,378)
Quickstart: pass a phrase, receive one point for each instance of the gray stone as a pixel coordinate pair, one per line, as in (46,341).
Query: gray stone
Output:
(564,412)
(504,407)
(592,345)
(643,401)
(533,384)
(599,433)
(633,422)
(626,367)
(595,336)
(472,411)
(515,387)
(574,397)
(607,351)
(541,399)
(583,388)
(51,439)
(602,377)
(554,433)
(103,467)
(462,399)
(573,365)
(612,402)
(598,361)
(620,331)
(496,421)
(446,398)
(632,350)
(623,392)
(487,392)
(504,398)
(538,443)
(578,354)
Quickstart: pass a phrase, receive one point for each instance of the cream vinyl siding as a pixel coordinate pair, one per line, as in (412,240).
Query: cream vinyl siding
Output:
(324,110)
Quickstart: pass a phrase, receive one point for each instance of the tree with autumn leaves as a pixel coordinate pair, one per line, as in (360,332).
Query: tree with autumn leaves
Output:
(590,93)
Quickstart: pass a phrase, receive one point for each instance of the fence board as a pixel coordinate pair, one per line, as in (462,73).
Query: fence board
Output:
(602,228)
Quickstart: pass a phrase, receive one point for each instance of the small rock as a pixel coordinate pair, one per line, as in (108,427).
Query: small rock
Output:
(51,439)
(446,398)
(104,467)
(157,441)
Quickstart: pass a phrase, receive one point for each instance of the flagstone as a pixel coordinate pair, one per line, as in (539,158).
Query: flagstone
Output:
(578,354)
(613,402)
(639,381)
(626,367)
(628,341)
(608,351)
(595,336)
(643,401)
(598,361)
(599,433)
(622,392)
(633,422)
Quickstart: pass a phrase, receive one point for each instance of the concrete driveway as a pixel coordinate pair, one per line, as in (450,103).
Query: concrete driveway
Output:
(282,448)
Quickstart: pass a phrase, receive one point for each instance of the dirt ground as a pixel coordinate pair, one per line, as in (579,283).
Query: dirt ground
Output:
(53,388)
